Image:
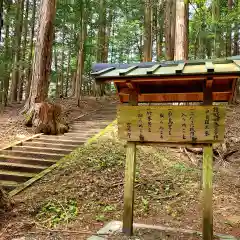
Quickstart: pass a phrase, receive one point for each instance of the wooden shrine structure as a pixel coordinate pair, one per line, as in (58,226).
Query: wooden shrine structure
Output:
(149,91)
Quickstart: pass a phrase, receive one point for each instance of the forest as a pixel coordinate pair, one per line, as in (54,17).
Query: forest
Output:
(68,186)
(88,31)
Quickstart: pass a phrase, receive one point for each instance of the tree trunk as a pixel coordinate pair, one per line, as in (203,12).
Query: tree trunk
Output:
(186,35)
(62,62)
(68,73)
(7,55)
(181,31)
(229,32)
(30,56)
(17,50)
(148,15)
(80,68)
(159,29)
(22,74)
(44,116)
(1,18)
(101,41)
(56,70)
(170,23)
(216,30)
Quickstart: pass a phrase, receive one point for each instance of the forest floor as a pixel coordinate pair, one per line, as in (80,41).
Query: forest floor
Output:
(86,192)
(12,127)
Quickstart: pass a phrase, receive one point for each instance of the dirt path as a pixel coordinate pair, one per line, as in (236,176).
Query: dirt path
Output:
(12,126)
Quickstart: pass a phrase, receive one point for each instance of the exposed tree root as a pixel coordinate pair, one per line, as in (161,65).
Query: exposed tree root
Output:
(46,118)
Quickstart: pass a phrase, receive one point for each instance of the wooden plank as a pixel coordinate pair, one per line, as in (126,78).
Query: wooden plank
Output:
(207,193)
(177,97)
(130,170)
(181,124)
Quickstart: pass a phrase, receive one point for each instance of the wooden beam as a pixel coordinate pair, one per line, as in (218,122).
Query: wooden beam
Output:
(176,97)
(207,192)
(130,170)
(157,78)
(207,92)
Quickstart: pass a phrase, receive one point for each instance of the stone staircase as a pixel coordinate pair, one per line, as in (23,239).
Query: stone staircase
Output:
(23,161)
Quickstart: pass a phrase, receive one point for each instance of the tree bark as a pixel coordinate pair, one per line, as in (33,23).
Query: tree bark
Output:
(159,28)
(22,69)
(80,68)
(170,23)
(30,56)
(17,50)
(56,70)
(44,116)
(229,32)
(148,17)
(7,55)
(1,18)
(216,30)
(181,31)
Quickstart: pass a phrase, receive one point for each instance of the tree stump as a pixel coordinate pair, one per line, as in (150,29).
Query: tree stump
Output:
(5,203)
(47,118)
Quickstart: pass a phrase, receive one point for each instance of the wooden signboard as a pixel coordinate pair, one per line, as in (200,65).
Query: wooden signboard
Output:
(172,124)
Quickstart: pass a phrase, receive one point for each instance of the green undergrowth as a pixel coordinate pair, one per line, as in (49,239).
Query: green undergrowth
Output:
(88,186)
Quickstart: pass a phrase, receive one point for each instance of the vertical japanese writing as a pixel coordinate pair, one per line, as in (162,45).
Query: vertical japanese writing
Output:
(184,125)
(140,126)
(149,119)
(216,118)
(129,130)
(170,122)
(161,128)
(192,126)
(207,122)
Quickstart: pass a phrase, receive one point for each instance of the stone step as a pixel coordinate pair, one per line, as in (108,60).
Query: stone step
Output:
(78,135)
(47,145)
(42,154)
(60,141)
(15,176)
(40,149)
(63,138)
(8,185)
(19,167)
(26,160)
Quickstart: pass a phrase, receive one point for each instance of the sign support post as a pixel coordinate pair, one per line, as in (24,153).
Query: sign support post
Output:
(130,170)
(207,173)
(207,192)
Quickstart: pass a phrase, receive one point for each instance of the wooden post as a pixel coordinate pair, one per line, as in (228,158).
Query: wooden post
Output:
(207,173)
(129,188)
(130,170)
(207,192)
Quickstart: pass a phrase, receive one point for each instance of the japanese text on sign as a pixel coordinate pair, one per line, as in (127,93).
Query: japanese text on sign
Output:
(195,124)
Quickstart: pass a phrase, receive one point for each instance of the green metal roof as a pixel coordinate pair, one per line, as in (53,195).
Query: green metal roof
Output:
(229,66)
